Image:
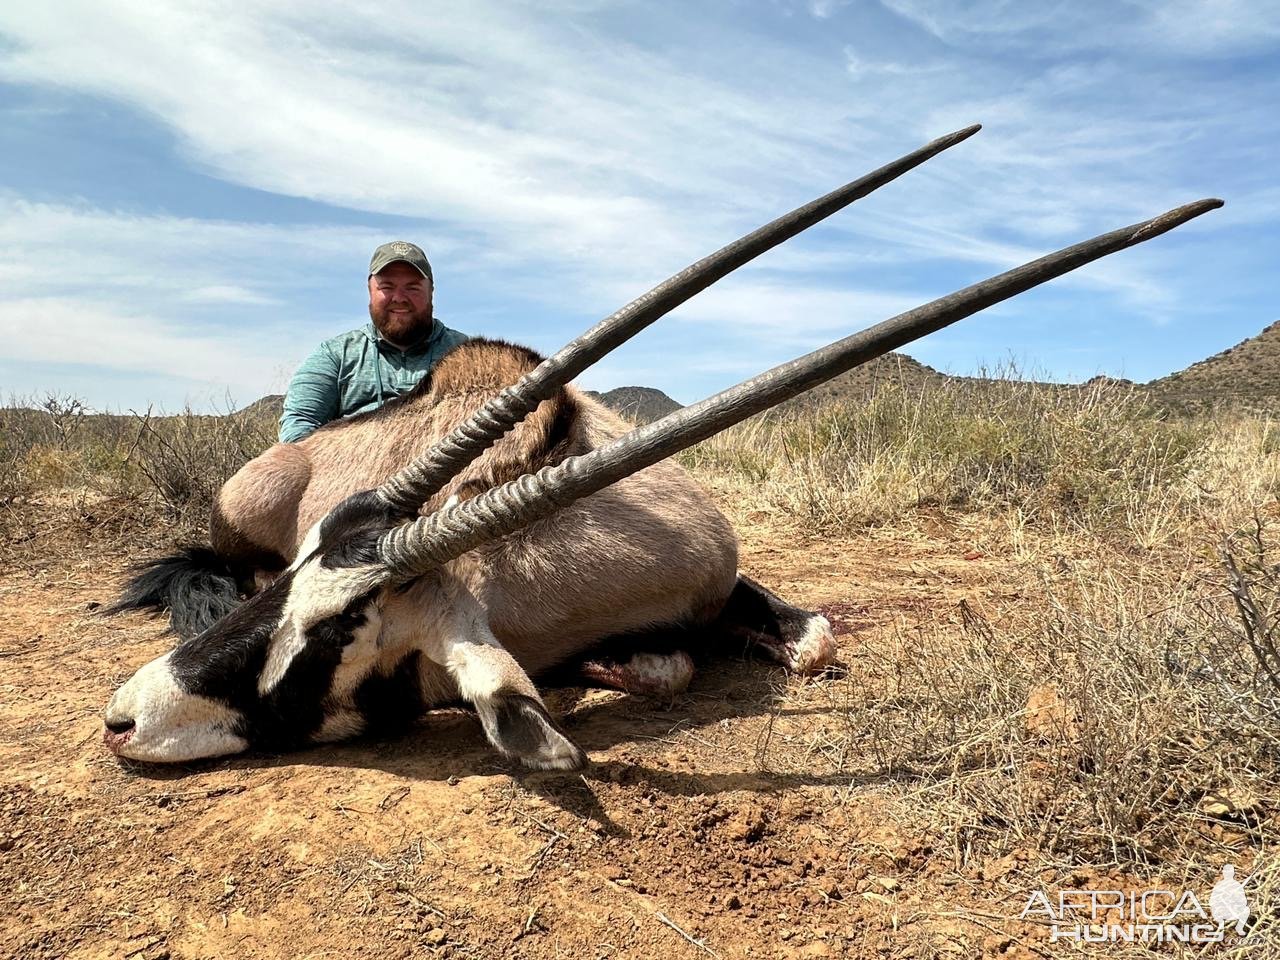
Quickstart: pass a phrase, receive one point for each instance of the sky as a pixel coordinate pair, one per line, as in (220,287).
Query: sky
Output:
(190,192)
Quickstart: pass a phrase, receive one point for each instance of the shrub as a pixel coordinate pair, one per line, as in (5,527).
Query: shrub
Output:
(56,445)
(185,459)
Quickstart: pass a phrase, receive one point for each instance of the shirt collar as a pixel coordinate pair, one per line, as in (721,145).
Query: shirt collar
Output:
(437,329)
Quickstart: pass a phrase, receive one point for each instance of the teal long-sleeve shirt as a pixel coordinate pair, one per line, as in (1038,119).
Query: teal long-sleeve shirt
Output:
(354,372)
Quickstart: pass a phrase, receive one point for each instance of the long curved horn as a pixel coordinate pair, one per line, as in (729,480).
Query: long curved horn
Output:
(413,548)
(413,486)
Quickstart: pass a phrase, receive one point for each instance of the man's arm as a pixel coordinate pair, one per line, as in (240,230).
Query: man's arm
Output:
(312,398)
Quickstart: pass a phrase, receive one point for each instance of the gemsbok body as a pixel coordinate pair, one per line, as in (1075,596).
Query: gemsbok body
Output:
(494,525)
(620,587)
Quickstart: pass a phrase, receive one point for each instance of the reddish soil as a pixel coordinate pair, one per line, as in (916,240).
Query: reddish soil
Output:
(704,827)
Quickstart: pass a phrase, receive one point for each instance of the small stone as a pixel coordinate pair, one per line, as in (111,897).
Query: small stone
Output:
(733,903)
(815,949)
(747,825)
(436,936)
(6,844)
(453,781)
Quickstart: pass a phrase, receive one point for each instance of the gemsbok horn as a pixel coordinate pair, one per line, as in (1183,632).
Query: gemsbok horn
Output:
(414,485)
(411,549)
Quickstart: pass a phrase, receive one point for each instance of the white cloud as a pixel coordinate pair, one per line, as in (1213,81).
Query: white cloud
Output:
(1174,27)
(1211,27)
(554,139)
(124,293)
(788,314)
(56,329)
(566,142)
(860,66)
(228,293)
(825,9)
(952,20)
(91,248)
(552,153)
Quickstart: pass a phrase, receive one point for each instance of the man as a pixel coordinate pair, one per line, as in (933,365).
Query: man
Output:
(364,368)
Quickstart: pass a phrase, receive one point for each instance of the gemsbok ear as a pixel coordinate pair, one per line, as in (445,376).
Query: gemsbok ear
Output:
(520,727)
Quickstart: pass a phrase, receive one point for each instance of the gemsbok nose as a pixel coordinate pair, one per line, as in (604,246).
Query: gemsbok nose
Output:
(118,733)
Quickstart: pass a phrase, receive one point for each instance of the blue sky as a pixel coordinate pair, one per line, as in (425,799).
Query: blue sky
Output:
(189,193)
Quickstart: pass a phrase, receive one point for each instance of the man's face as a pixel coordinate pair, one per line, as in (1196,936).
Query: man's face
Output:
(400,303)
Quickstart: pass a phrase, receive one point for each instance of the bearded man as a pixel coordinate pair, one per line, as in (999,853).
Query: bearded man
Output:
(364,368)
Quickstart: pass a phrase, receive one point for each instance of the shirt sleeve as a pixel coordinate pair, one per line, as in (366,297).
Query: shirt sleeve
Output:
(312,398)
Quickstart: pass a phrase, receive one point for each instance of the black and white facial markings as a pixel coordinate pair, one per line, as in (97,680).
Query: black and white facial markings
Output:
(296,663)
(314,657)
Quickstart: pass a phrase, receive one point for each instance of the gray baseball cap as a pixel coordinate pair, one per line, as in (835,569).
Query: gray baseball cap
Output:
(400,251)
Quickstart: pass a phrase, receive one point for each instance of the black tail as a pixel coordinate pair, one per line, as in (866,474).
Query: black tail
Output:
(799,639)
(753,617)
(195,586)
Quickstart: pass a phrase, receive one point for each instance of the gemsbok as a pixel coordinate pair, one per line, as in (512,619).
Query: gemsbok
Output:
(534,533)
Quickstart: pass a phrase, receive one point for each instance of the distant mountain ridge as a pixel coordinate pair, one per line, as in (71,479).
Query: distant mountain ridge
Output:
(641,404)
(272,405)
(1245,377)
(893,368)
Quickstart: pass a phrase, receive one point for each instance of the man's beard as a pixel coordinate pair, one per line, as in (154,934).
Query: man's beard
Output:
(401,329)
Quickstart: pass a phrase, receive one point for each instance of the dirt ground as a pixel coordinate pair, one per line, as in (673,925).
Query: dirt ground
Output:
(705,827)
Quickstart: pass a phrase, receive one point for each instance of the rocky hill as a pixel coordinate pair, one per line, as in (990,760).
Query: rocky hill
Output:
(1246,377)
(272,405)
(893,368)
(641,404)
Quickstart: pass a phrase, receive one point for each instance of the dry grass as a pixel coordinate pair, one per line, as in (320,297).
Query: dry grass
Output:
(1090,460)
(1113,712)
(167,466)
(1120,712)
